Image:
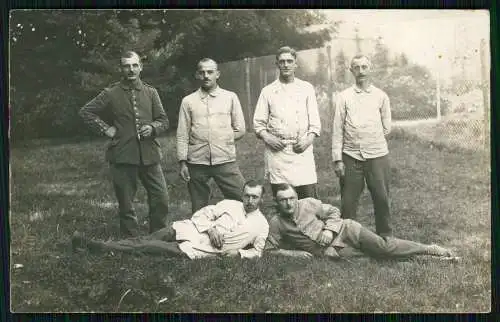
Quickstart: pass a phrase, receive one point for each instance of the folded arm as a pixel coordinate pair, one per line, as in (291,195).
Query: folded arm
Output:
(258,245)
(205,218)
(330,215)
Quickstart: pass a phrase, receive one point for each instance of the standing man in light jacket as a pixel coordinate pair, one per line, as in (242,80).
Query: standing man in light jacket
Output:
(130,113)
(287,120)
(210,121)
(359,148)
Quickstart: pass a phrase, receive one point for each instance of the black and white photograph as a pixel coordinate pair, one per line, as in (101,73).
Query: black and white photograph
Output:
(257,160)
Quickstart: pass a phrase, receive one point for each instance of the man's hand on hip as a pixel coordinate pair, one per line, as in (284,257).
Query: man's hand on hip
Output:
(216,237)
(111,131)
(339,168)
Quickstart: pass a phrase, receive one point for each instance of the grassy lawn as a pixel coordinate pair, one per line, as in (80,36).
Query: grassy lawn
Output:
(438,195)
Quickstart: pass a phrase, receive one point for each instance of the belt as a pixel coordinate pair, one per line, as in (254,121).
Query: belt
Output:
(289,141)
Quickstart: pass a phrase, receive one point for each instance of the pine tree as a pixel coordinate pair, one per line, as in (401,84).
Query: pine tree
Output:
(380,58)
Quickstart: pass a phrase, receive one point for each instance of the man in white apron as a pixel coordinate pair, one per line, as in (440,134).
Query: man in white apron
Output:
(287,120)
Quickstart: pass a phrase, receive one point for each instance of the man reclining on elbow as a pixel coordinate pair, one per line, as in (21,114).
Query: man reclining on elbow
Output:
(230,228)
(308,227)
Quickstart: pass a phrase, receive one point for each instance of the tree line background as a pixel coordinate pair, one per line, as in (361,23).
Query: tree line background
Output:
(60,59)
(411,87)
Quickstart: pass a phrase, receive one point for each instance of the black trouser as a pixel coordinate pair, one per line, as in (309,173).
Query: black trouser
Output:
(376,173)
(161,242)
(227,176)
(125,177)
(305,191)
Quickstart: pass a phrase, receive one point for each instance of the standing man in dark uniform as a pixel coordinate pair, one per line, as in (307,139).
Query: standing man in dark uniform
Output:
(136,118)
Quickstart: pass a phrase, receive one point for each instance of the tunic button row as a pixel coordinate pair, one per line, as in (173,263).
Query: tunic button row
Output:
(136,112)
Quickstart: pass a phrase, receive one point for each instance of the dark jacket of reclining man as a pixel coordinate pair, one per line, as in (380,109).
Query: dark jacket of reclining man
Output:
(307,227)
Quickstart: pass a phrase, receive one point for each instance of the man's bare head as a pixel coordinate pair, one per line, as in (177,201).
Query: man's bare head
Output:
(130,65)
(207,73)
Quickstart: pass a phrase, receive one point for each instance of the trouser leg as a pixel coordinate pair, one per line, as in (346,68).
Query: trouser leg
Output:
(380,247)
(377,179)
(351,186)
(198,186)
(229,179)
(306,191)
(350,238)
(124,178)
(274,189)
(350,251)
(156,188)
(166,234)
(140,245)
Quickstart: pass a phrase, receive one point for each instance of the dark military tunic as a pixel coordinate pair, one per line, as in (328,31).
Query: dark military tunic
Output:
(128,107)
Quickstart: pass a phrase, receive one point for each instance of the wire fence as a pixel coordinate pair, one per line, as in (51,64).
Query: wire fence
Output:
(454,111)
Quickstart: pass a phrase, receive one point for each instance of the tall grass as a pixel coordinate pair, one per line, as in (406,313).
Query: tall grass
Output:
(438,195)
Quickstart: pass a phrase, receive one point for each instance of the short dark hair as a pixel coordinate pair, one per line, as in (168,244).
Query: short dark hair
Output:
(359,56)
(207,60)
(286,49)
(282,187)
(129,54)
(254,183)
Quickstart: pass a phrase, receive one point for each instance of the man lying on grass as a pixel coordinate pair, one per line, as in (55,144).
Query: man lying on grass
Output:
(230,228)
(308,227)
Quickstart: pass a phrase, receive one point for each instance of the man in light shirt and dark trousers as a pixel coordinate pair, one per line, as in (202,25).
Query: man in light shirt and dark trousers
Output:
(228,228)
(361,123)
(287,120)
(210,121)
